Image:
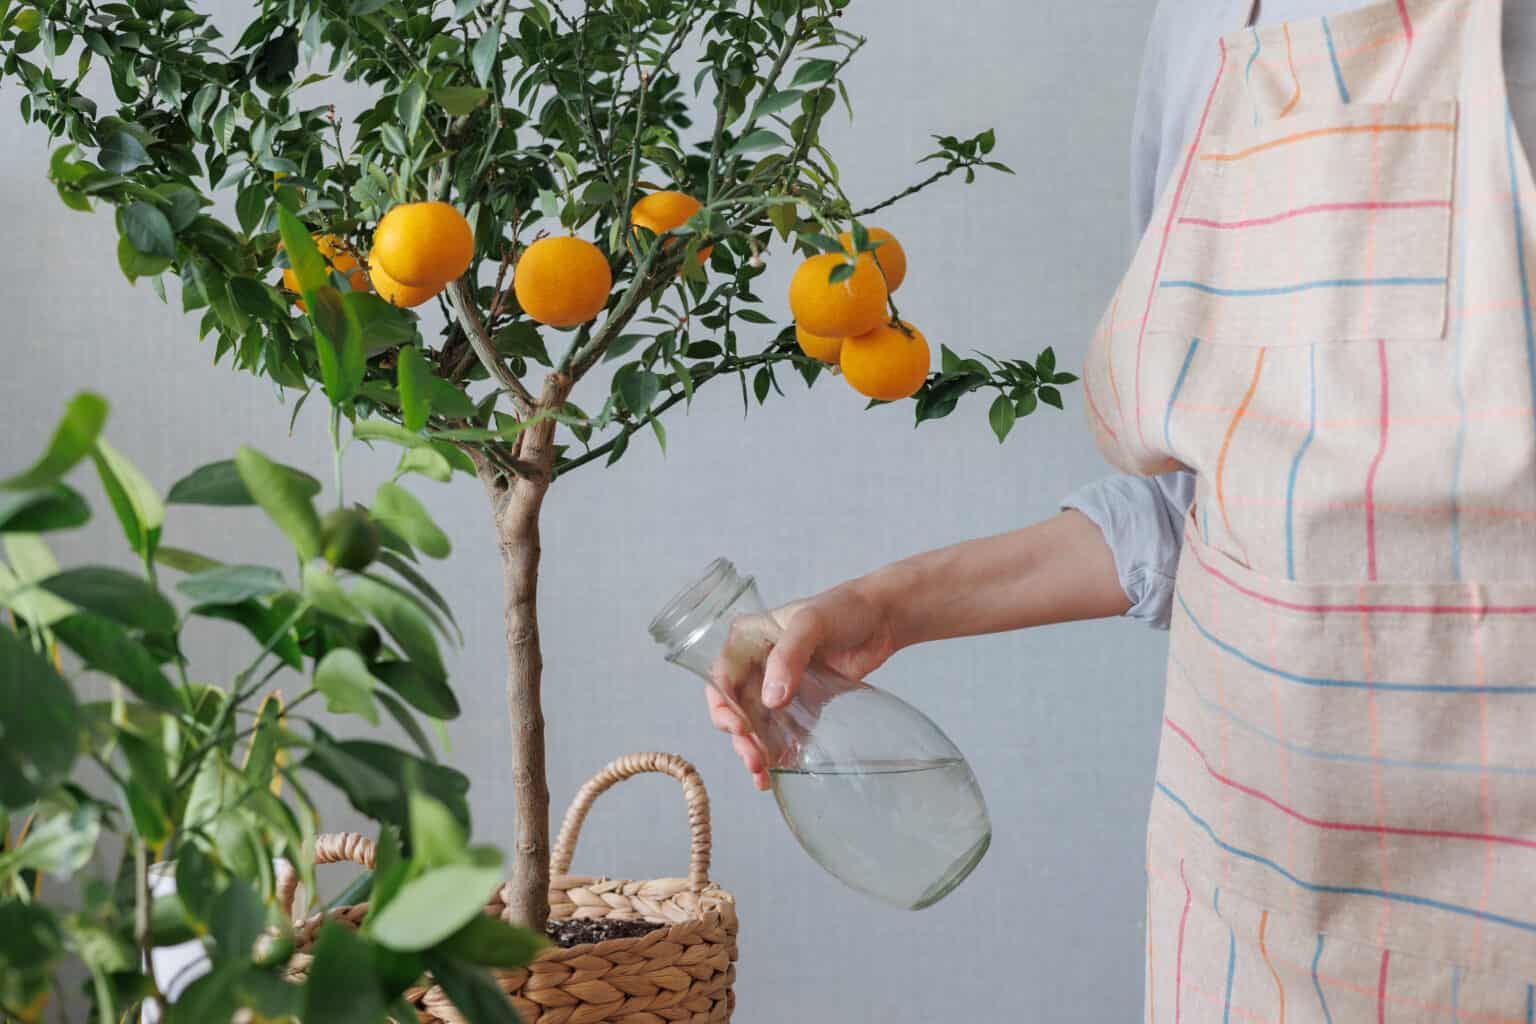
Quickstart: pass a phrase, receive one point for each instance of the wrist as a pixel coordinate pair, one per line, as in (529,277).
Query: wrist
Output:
(889,591)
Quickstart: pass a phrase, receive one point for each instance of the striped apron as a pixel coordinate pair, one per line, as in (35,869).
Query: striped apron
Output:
(1330,322)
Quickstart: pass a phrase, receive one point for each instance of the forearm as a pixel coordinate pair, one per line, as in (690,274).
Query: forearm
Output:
(1059,570)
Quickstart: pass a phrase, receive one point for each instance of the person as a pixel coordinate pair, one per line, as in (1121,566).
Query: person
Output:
(1319,379)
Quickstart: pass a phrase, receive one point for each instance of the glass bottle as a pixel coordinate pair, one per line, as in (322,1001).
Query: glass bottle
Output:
(873,790)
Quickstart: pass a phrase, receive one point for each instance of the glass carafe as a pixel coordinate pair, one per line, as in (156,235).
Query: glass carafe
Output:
(872,789)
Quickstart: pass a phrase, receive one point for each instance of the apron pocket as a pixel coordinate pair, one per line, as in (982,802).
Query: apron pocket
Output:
(1359,755)
(1327,226)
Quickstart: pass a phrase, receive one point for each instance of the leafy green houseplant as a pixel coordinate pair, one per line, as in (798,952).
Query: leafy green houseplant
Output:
(160,775)
(533,119)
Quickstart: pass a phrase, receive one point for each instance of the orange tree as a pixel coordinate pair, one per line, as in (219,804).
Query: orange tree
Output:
(226,162)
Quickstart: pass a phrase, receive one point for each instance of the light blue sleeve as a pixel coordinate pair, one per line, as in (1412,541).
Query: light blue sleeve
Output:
(1142,517)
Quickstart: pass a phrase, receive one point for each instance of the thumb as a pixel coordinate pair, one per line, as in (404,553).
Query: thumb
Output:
(787,662)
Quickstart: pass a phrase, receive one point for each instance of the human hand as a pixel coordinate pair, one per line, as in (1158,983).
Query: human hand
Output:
(765,658)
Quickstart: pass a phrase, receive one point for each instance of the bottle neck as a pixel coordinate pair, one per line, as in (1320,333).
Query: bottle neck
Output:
(694,625)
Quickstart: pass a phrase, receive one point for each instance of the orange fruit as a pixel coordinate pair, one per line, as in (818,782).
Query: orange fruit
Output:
(660,212)
(423,245)
(396,294)
(562,281)
(340,260)
(891,256)
(852,306)
(817,347)
(886,363)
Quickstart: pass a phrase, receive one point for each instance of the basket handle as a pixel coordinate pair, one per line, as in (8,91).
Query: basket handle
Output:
(628,767)
(331,848)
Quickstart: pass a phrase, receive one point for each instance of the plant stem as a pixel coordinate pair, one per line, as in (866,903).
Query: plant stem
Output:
(516,504)
(336,453)
(141,932)
(463,302)
(736,365)
(911,190)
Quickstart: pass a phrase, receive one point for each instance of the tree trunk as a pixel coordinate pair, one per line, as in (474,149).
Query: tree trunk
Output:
(516,505)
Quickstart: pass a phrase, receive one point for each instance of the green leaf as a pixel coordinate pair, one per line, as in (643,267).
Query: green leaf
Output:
(483,56)
(39,720)
(134,499)
(1002,417)
(121,153)
(106,647)
(231,584)
(262,622)
(472,990)
(185,204)
(72,441)
(147,230)
(523,339)
(343,678)
(122,597)
(384,430)
(38,511)
(59,845)
(450,401)
(260,765)
(785,217)
(423,587)
(341,985)
(219,483)
(399,510)
(813,71)
(371,775)
(338,341)
(775,102)
(459,100)
(309,266)
(434,905)
(404,620)
(492,942)
(424,690)
(437,840)
(33,562)
(412,101)
(413,376)
(283,498)
(840,273)
(380,325)
(236,919)
(147,787)
(1050,396)
(636,388)
(427,462)
(760,138)
(184,560)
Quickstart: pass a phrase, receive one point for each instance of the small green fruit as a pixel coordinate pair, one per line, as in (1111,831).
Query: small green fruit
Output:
(350,540)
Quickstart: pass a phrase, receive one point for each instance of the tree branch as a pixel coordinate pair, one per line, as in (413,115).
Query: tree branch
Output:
(581,357)
(936,176)
(736,365)
(463,304)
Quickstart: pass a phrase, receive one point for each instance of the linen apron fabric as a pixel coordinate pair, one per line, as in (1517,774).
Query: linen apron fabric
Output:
(1330,322)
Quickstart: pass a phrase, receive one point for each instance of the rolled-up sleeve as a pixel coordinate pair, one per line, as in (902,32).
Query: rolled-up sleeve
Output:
(1142,519)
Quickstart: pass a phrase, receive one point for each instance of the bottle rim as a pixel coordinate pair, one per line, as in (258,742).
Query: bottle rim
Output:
(694,608)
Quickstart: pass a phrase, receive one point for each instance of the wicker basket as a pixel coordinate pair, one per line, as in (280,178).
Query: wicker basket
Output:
(682,972)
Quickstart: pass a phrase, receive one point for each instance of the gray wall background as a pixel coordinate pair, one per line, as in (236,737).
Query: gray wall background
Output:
(1060,724)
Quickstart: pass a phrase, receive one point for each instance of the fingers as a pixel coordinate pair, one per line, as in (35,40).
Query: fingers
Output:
(722,716)
(788,660)
(752,756)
